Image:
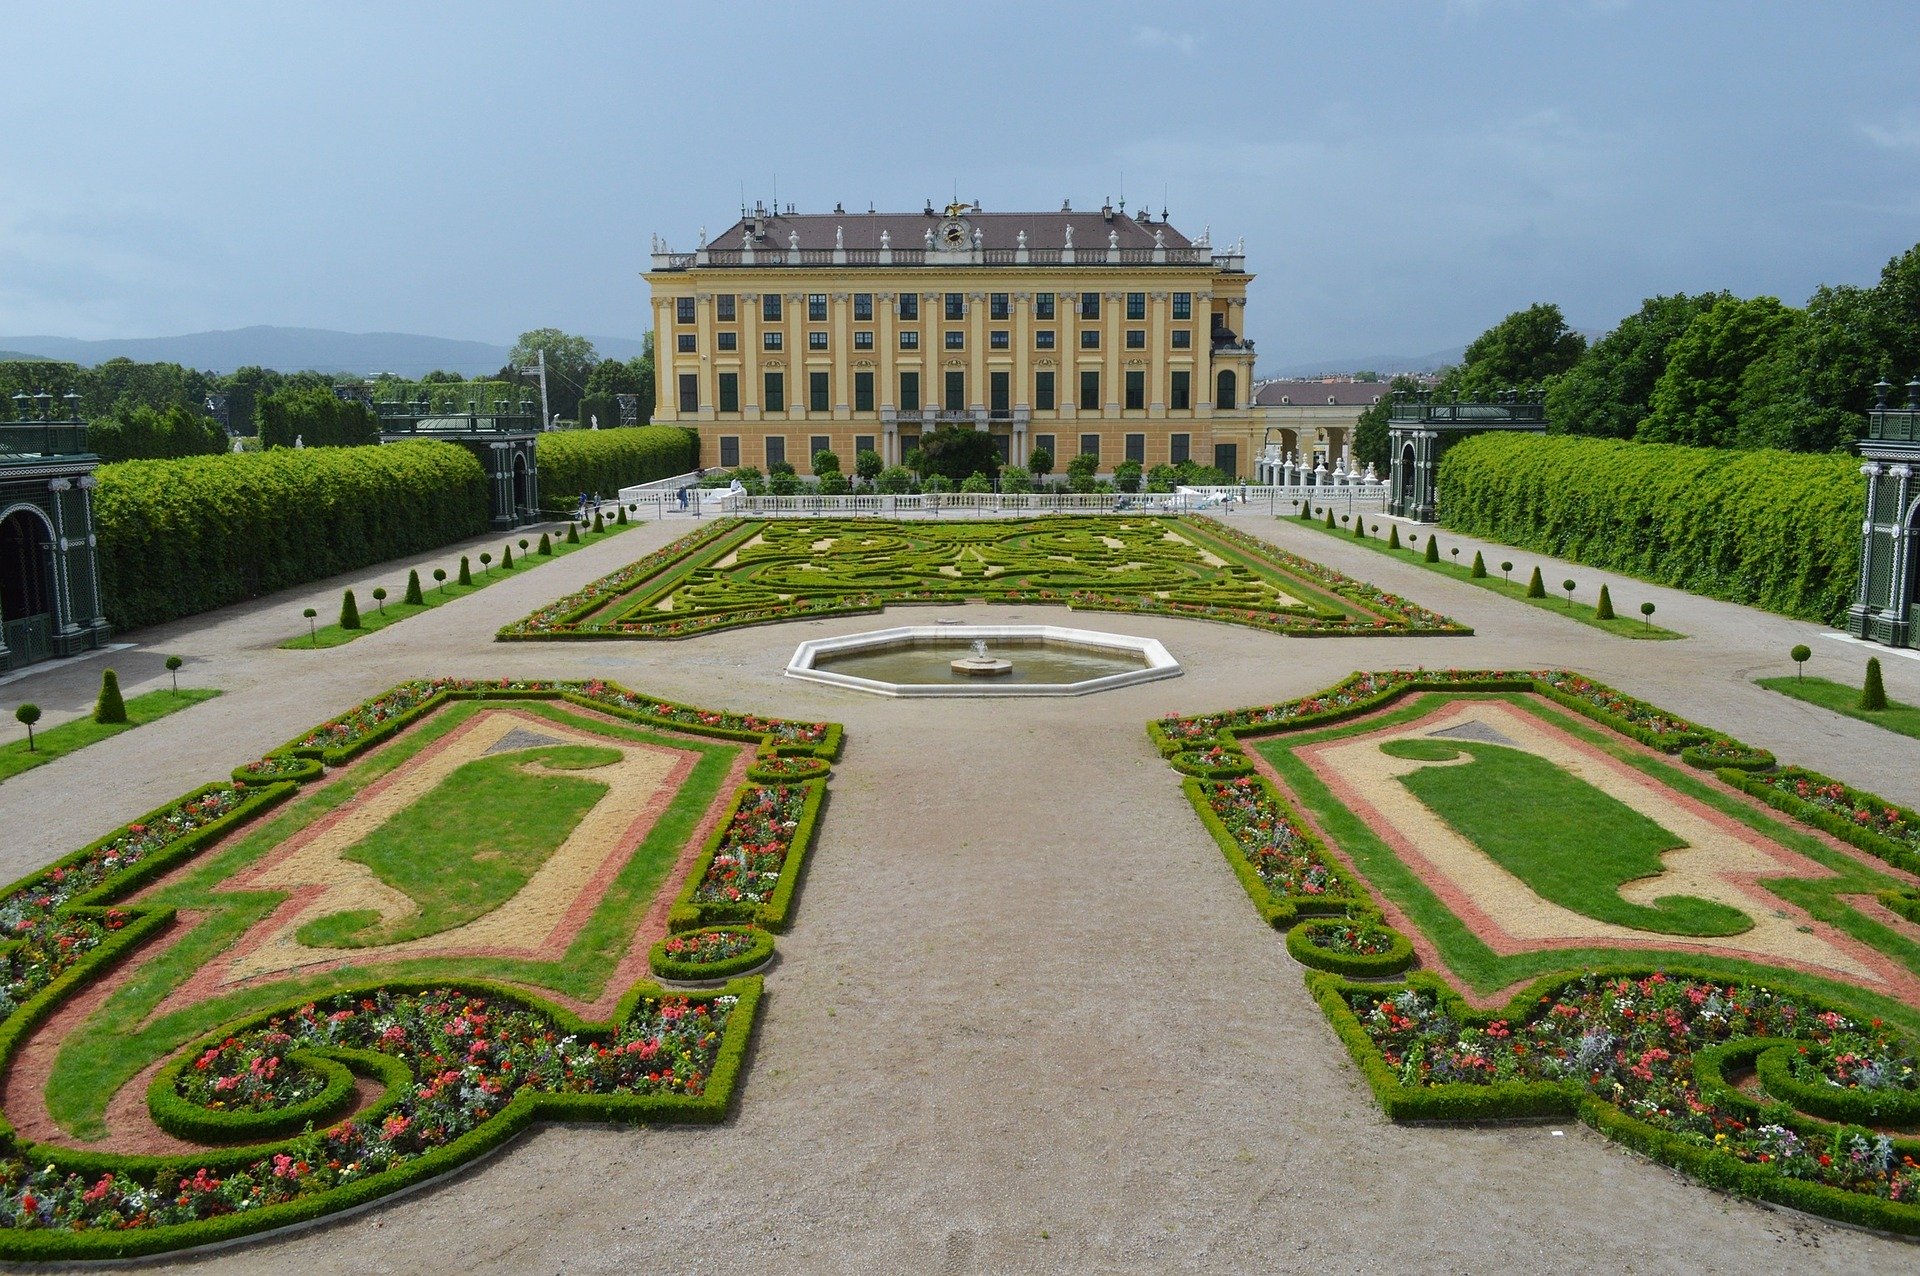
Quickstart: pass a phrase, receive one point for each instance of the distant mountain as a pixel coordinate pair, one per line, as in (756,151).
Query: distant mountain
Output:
(16,356)
(1385,364)
(288,349)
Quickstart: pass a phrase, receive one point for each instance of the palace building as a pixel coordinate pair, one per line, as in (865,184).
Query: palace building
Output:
(1073,331)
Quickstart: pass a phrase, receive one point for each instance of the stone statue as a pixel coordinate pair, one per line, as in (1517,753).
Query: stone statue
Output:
(839,238)
(793,241)
(746,241)
(299,441)
(1069,236)
(703,238)
(978,237)
(595,419)
(929,237)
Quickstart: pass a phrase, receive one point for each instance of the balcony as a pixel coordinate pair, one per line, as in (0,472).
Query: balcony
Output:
(1508,407)
(33,434)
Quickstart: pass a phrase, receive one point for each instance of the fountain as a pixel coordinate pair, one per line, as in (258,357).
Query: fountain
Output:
(980,664)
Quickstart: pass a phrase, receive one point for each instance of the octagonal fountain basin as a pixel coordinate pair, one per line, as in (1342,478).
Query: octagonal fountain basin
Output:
(982,660)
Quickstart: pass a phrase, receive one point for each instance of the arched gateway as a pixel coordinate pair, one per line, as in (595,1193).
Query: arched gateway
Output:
(49,585)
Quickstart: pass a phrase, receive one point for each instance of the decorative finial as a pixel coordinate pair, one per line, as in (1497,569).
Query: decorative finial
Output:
(1022,240)
(793,240)
(1159,239)
(929,237)
(978,237)
(1113,239)
(886,239)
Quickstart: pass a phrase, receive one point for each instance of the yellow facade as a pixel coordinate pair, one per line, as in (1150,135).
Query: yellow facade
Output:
(776,350)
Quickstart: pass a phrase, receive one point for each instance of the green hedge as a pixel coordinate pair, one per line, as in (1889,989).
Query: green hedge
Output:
(667,966)
(1778,530)
(185,1119)
(185,536)
(1354,965)
(604,461)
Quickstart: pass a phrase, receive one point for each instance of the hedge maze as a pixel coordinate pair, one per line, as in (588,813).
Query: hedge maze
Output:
(319,994)
(759,571)
(1609,924)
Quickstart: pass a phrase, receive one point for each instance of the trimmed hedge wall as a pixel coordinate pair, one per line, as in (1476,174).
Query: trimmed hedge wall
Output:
(188,535)
(1779,530)
(604,461)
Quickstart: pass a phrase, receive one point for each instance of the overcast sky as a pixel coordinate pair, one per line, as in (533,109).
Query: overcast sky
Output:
(1404,174)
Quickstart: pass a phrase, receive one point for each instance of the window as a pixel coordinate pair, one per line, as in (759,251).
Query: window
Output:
(909,340)
(999,339)
(1089,305)
(1044,443)
(684,343)
(863,392)
(956,305)
(776,450)
(819,397)
(1136,338)
(956,339)
(771,340)
(689,392)
(1043,395)
(1136,390)
(863,339)
(817,444)
(770,307)
(1226,459)
(863,307)
(730,395)
(956,391)
(1043,305)
(817,307)
(1137,448)
(817,339)
(996,305)
(729,451)
(909,391)
(728,340)
(723,310)
(1090,338)
(1090,446)
(1183,338)
(1043,338)
(999,393)
(1183,305)
(1182,398)
(776,396)
(1089,390)
(1228,384)
(909,305)
(1136,305)
(1179,447)
(683,309)
(863,443)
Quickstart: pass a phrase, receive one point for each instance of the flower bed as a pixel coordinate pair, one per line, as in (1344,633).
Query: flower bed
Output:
(752,862)
(1356,948)
(717,953)
(778,769)
(1214,763)
(1621,1049)
(1859,1073)
(1282,866)
(1873,824)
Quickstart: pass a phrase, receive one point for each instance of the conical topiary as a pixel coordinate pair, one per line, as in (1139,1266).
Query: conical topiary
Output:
(466,572)
(622,517)
(1329,516)
(111,708)
(506,560)
(1306,511)
(349,611)
(414,595)
(1433,549)
(1479,571)
(1536,587)
(1359,528)
(1393,537)
(573,533)
(546,546)
(599,525)
(1603,610)
(1873,693)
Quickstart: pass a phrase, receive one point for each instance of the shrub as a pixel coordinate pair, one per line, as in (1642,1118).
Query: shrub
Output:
(573,533)
(1536,587)
(607,460)
(109,707)
(546,546)
(1329,516)
(1603,609)
(440,578)
(1479,571)
(620,515)
(599,524)
(466,572)
(1393,537)
(184,536)
(1873,692)
(414,595)
(506,559)
(26,715)
(486,563)
(349,611)
(1800,654)
(1360,528)
(1770,529)
(173,668)
(315,416)
(1433,549)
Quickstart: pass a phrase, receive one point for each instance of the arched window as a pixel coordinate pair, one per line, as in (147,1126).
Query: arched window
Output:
(1224,398)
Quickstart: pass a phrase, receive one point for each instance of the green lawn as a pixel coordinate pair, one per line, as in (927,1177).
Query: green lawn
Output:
(1570,843)
(1842,698)
(453,855)
(376,616)
(1628,624)
(59,741)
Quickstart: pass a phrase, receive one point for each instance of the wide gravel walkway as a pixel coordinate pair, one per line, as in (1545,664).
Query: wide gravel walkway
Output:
(1027,1020)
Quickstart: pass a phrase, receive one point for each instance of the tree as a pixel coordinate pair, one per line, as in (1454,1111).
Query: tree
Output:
(937,484)
(26,715)
(1646,615)
(1017,479)
(1873,692)
(1040,461)
(1080,472)
(825,462)
(1371,444)
(833,483)
(1536,587)
(1526,348)
(414,596)
(1812,390)
(976,483)
(955,451)
(1569,586)
(1607,393)
(380,598)
(895,480)
(466,572)
(1603,610)
(311,614)
(867,464)
(315,417)
(570,361)
(1433,549)
(139,432)
(109,707)
(1693,402)
(1800,654)
(1126,476)
(1479,569)
(173,668)
(784,482)
(349,611)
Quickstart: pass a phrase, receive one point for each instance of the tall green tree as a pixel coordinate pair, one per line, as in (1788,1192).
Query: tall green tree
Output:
(141,433)
(1693,402)
(1607,393)
(1811,392)
(570,361)
(1527,348)
(1371,445)
(958,451)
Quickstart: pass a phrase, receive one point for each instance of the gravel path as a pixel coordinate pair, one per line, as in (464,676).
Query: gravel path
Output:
(1027,1019)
